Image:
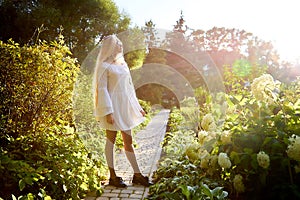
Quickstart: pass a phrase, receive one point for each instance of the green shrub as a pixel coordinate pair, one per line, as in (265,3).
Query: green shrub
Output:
(181,179)
(174,121)
(41,156)
(253,155)
(87,127)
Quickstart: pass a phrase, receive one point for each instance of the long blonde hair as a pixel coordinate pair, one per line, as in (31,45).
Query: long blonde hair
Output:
(107,53)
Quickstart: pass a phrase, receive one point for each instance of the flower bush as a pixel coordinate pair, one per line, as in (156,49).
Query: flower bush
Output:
(255,153)
(208,123)
(180,175)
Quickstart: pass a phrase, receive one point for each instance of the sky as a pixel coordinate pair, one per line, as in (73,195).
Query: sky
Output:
(271,20)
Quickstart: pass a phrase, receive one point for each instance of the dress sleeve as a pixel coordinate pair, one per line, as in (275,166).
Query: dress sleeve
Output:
(134,98)
(104,103)
(137,102)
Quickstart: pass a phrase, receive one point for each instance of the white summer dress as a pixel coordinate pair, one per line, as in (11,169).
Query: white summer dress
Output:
(116,95)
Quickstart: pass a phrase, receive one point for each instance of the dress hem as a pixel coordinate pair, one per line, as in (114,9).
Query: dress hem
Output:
(120,129)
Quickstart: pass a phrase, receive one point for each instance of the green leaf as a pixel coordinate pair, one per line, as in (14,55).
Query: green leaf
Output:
(22,184)
(248,150)
(47,198)
(28,180)
(216,191)
(234,156)
(84,186)
(186,191)
(30,196)
(266,141)
(223,195)
(234,100)
(206,190)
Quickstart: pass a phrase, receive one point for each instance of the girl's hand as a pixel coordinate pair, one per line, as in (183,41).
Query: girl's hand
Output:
(143,113)
(110,119)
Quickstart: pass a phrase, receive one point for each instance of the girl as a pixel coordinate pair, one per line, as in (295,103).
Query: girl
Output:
(116,106)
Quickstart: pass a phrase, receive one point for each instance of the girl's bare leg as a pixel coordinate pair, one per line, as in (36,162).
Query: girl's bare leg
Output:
(129,151)
(109,151)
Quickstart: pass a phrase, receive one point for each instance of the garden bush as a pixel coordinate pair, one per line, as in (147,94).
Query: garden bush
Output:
(41,156)
(254,153)
(179,175)
(181,179)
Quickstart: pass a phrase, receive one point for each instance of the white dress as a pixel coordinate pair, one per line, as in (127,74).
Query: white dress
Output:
(116,95)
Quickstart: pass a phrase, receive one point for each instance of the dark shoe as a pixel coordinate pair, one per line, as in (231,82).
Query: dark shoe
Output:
(117,182)
(142,180)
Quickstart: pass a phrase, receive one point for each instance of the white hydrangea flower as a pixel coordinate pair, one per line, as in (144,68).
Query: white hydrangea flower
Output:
(238,183)
(263,159)
(293,150)
(262,88)
(226,137)
(224,160)
(211,135)
(202,136)
(212,126)
(208,123)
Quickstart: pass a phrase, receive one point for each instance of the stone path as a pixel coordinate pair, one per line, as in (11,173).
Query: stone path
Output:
(148,153)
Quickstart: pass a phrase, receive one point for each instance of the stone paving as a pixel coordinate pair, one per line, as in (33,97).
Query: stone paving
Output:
(147,153)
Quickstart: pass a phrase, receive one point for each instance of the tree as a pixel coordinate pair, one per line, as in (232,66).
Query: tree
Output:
(225,46)
(150,32)
(154,53)
(134,47)
(177,40)
(81,22)
(183,57)
(180,27)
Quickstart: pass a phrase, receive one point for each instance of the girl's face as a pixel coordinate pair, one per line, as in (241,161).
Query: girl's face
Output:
(119,46)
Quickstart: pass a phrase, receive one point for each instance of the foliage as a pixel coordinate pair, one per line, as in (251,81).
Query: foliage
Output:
(177,137)
(151,35)
(181,179)
(82,21)
(254,154)
(134,47)
(264,125)
(190,111)
(216,50)
(240,75)
(87,127)
(225,46)
(36,87)
(178,142)
(40,154)
(175,120)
